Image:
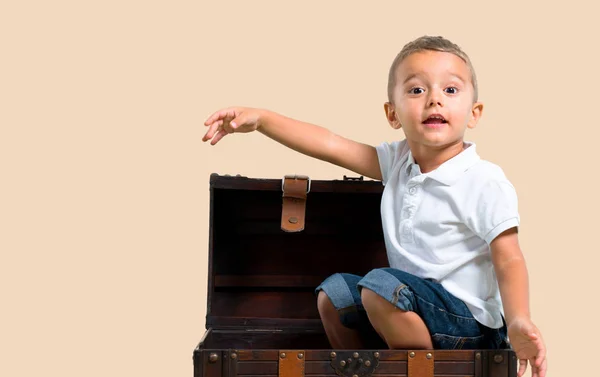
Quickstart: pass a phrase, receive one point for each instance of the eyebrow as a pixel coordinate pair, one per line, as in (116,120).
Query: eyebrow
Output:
(413,75)
(409,77)
(458,77)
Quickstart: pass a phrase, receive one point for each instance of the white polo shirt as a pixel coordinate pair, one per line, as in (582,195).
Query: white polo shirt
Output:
(440,224)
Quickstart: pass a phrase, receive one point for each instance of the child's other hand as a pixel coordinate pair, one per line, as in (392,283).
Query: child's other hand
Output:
(527,342)
(230,120)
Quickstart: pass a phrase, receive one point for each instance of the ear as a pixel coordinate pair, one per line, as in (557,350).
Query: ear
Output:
(391,116)
(476,112)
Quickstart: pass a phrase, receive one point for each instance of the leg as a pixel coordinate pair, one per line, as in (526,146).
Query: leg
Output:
(339,336)
(400,329)
(413,312)
(342,314)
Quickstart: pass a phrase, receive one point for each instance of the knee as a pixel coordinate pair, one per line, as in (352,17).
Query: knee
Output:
(367,297)
(324,305)
(373,302)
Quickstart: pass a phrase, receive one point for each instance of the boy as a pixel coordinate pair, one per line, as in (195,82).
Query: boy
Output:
(457,277)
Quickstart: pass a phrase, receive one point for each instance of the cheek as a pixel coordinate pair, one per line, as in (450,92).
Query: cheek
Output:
(409,111)
(462,113)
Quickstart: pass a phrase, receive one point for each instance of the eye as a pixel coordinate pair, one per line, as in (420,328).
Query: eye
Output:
(416,91)
(451,90)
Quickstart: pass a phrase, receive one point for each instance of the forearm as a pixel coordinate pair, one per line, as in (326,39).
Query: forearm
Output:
(513,281)
(309,139)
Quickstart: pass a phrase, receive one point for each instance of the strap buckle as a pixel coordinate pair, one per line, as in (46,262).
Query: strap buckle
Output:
(295,176)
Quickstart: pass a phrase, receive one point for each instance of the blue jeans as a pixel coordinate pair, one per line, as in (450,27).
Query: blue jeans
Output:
(448,319)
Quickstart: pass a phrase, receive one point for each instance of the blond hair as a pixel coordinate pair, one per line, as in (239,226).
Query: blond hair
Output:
(429,43)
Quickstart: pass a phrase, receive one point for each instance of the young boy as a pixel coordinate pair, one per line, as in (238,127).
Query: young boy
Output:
(457,277)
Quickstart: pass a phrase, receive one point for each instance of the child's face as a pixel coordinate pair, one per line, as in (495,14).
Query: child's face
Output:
(433,99)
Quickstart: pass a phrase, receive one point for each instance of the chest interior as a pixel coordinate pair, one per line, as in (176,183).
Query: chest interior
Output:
(262,279)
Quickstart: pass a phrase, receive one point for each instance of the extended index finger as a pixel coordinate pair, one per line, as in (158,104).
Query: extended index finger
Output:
(219,115)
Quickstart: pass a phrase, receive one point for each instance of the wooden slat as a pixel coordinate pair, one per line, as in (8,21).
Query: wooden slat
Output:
(257,368)
(272,184)
(308,256)
(259,345)
(455,367)
(440,355)
(267,281)
(454,355)
(401,355)
(265,362)
(396,367)
(278,304)
(249,365)
(313,228)
(262,355)
(393,375)
(237,322)
(321,367)
(320,208)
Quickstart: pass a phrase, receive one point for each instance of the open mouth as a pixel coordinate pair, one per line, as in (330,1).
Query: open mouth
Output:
(435,119)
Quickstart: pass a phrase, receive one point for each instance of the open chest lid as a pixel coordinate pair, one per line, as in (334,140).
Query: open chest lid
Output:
(273,241)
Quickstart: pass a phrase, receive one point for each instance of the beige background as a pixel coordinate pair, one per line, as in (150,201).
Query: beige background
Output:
(104,179)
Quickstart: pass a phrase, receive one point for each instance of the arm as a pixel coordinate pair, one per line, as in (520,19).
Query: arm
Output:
(306,138)
(511,271)
(513,282)
(320,143)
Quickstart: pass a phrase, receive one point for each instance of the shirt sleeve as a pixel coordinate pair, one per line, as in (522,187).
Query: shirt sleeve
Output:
(495,210)
(387,154)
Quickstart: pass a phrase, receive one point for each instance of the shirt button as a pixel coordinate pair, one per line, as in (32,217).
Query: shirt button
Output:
(412,190)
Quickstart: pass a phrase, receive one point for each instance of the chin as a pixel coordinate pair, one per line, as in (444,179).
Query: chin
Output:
(438,143)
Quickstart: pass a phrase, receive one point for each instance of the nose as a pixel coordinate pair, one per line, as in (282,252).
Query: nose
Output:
(435,99)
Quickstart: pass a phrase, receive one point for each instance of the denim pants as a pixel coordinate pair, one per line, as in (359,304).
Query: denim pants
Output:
(449,321)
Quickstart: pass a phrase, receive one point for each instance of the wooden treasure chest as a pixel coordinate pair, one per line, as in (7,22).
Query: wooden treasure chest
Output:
(271,243)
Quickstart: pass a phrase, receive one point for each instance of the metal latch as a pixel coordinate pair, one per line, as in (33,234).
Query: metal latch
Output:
(354,363)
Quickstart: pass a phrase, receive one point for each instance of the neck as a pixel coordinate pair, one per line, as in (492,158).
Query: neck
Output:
(429,158)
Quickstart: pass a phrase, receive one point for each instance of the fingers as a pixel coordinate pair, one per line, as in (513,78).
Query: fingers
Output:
(219,125)
(541,354)
(538,363)
(219,136)
(220,115)
(541,370)
(212,130)
(227,121)
(522,368)
(541,363)
(237,122)
(220,129)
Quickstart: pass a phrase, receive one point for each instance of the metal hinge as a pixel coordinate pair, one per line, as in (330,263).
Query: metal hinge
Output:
(346,178)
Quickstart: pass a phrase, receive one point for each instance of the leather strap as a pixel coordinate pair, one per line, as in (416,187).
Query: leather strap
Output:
(420,363)
(291,363)
(295,190)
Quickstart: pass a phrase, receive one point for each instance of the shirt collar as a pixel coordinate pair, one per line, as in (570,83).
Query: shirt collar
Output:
(450,171)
